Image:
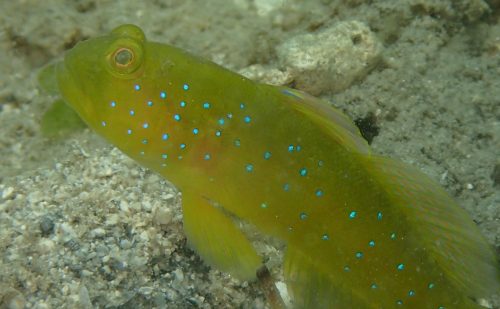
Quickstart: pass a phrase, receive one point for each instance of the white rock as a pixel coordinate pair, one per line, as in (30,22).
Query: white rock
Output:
(112,219)
(98,232)
(283,290)
(7,192)
(330,60)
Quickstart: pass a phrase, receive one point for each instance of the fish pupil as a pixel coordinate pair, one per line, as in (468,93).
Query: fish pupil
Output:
(123,57)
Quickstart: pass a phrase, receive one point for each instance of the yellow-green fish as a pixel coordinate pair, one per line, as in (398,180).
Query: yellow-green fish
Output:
(361,231)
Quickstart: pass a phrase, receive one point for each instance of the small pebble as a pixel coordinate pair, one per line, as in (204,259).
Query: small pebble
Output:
(98,232)
(125,244)
(495,175)
(163,216)
(72,244)
(146,290)
(179,275)
(45,246)
(85,302)
(7,192)
(46,226)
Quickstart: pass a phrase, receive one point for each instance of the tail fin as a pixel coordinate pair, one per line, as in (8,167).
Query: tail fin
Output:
(450,238)
(446,230)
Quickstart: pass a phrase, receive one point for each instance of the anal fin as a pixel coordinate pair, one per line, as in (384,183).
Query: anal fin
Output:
(312,286)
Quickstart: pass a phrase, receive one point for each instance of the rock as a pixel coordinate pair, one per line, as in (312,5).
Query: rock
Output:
(330,60)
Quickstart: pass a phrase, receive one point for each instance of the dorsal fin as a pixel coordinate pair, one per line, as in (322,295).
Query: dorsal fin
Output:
(336,124)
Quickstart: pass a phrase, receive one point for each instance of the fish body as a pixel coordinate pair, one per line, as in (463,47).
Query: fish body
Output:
(361,231)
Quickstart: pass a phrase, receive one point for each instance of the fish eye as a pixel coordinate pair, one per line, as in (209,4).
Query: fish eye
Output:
(123,57)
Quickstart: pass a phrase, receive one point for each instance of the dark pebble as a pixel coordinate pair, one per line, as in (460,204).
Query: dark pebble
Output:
(495,176)
(46,226)
(72,244)
(368,127)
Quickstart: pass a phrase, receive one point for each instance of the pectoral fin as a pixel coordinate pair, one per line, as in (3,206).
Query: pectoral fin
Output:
(217,239)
